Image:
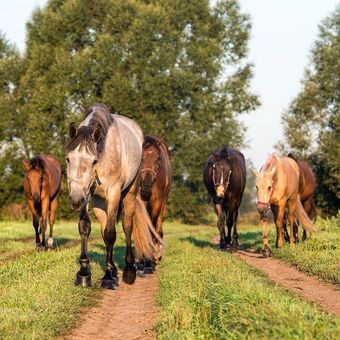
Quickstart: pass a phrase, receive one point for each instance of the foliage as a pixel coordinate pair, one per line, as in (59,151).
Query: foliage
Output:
(177,67)
(311,123)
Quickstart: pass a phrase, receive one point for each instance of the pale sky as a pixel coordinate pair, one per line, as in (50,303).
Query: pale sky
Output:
(282,35)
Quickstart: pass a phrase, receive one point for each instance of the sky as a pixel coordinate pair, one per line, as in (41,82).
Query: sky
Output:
(283,32)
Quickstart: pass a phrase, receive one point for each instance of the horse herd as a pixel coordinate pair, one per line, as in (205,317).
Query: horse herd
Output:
(124,175)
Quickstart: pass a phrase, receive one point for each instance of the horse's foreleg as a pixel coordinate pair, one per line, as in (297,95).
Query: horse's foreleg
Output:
(35,221)
(83,277)
(45,204)
(53,208)
(110,278)
(221,225)
(266,251)
(279,212)
(235,244)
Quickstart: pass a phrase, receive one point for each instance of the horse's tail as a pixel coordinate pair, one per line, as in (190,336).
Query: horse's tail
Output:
(148,243)
(303,217)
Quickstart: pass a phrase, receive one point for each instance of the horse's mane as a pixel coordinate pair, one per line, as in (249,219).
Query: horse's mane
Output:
(101,119)
(270,162)
(224,153)
(37,163)
(155,141)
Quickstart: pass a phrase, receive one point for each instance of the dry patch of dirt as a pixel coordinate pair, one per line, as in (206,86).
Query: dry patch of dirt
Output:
(129,312)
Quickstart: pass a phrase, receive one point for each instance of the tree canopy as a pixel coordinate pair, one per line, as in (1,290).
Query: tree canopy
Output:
(179,68)
(312,121)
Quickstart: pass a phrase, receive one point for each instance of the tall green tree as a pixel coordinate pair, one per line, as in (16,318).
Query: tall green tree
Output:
(177,67)
(312,121)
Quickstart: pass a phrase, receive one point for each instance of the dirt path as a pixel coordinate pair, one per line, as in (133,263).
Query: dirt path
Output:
(308,287)
(129,312)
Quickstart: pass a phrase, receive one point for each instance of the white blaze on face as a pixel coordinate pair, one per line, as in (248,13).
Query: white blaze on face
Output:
(80,172)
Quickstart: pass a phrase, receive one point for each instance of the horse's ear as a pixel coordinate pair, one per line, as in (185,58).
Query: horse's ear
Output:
(26,164)
(96,134)
(72,130)
(272,171)
(254,172)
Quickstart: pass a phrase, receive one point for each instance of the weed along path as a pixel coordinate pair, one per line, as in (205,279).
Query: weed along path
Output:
(308,287)
(129,312)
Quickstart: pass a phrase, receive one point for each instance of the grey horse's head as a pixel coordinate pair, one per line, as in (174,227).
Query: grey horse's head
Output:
(81,160)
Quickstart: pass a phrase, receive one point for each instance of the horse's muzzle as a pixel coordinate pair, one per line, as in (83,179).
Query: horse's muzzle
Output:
(263,209)
(77,204)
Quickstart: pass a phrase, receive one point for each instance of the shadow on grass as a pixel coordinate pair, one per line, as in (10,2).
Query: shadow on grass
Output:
(100,257)
(251,240)
(198,243)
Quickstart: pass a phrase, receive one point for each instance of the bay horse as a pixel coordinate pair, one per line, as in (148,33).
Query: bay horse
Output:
(277,186)
(307,186)
(42,189)
(225,180)
(156,180)
(103,167)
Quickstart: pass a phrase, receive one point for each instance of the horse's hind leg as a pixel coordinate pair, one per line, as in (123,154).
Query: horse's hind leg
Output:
(53,208)
(45,204)
(221,225)
(291,217)
(310,210)
(83,277)
(129,273)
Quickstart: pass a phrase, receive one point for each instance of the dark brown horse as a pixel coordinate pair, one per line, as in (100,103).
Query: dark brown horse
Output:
(307,185)
(42,189)
(225,179)
(156,179)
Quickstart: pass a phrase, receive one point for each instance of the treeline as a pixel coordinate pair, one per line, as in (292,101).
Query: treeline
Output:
(312,121)
(178,68)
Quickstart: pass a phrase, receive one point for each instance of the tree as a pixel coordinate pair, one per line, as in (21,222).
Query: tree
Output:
(177,67)
(312,121)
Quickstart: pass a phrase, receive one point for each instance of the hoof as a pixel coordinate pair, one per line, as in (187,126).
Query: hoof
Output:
(129,274)
(107,284)
(148,270)
(40,248)
(234,248)
(266,252)
(140,273)
(83,281)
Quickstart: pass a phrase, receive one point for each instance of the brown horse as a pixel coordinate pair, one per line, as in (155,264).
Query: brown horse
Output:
(156,179)
(307,186)
(225,180)
(42,189)
(277,186)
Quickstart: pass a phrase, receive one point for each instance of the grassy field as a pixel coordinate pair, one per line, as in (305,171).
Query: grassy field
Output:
(319,256)
(207,294)
(203,293)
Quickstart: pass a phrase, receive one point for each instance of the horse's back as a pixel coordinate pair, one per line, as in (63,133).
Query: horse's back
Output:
(53,168)
(131,140)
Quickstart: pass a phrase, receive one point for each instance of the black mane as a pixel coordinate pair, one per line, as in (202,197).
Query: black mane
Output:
(101,120)
(37,163)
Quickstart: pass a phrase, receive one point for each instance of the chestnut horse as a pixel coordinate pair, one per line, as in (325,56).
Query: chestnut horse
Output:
(307,186)
(225,180)
(156,179)
(42,189)
(277,186)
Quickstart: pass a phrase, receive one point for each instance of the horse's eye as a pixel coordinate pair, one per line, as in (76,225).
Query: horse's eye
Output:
(269,188)
(67,160)
(94,162)
(256,187)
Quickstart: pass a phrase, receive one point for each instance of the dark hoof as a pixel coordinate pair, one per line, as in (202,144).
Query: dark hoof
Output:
(107,284)
(234,248)
(148,270)
(83,281)
(129,274)
(223,248)
(41,247)
(266,252)
(140,267)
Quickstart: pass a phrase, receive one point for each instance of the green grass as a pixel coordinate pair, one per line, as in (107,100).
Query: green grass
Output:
(38,298)
(319,255)
(207,294)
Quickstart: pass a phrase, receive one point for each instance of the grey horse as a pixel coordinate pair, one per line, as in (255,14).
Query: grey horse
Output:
(103,167)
